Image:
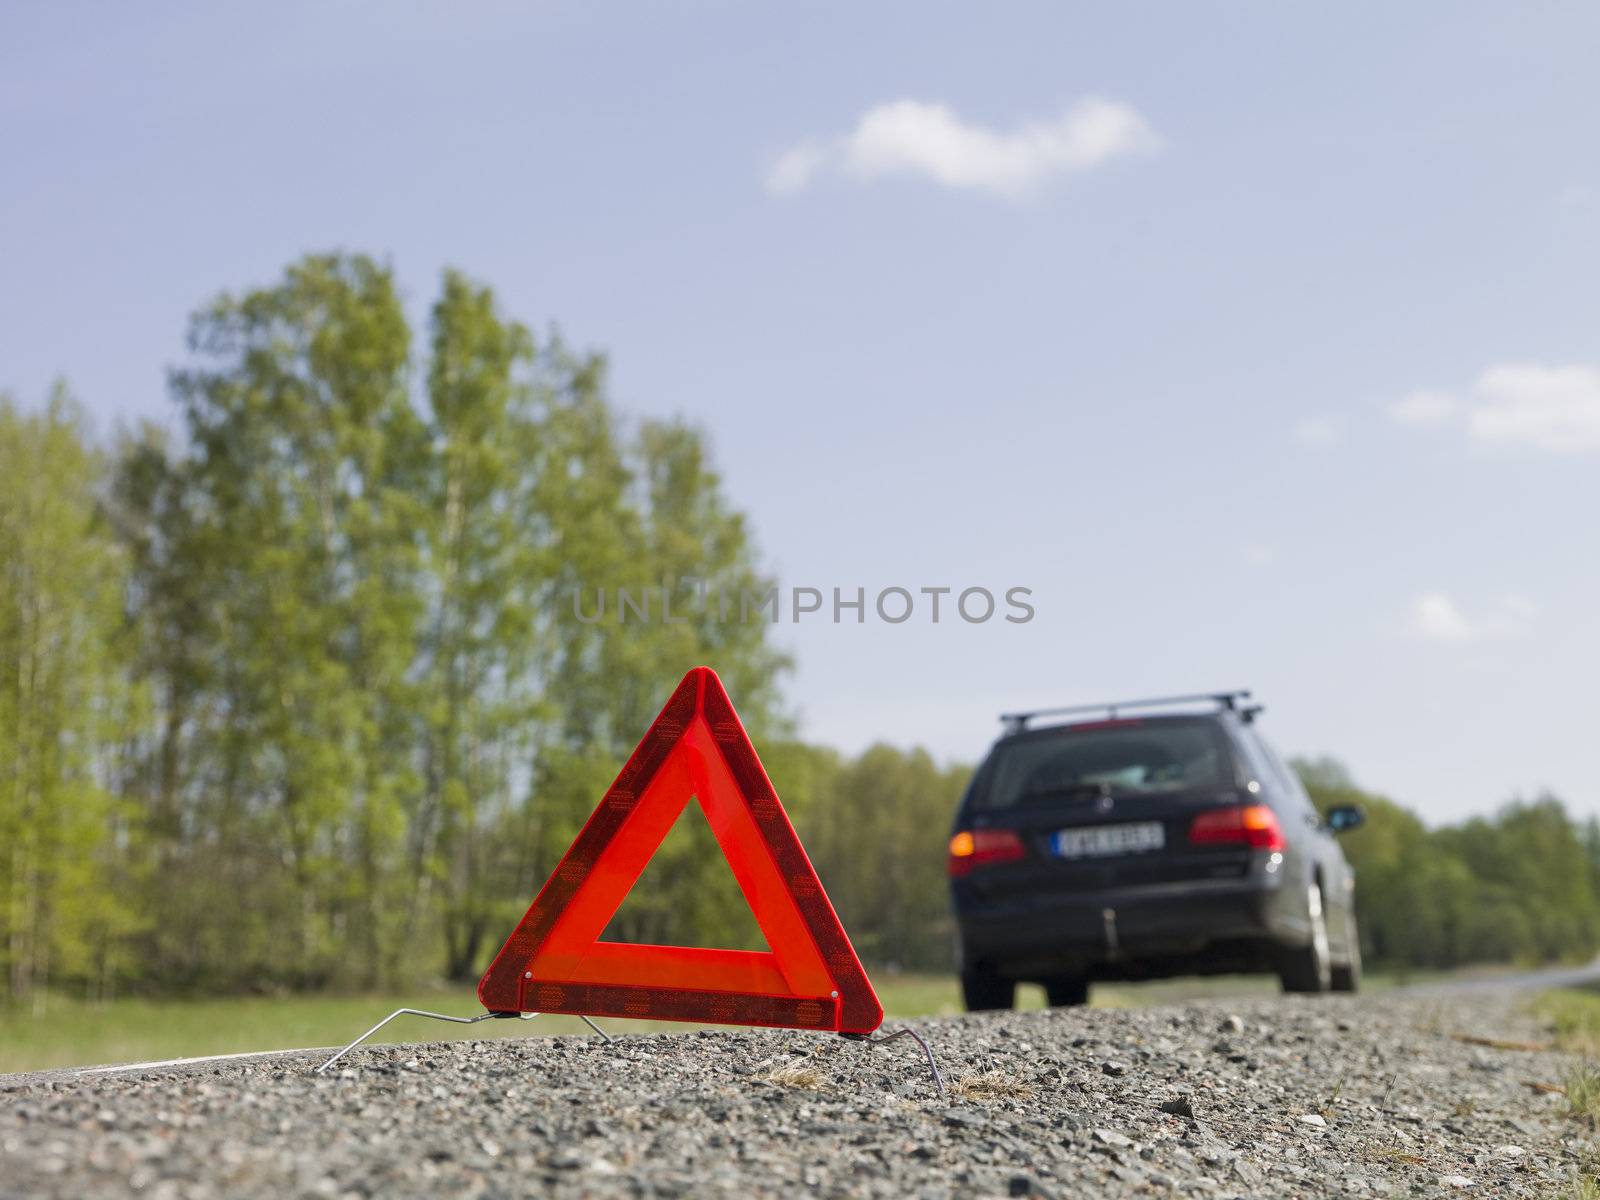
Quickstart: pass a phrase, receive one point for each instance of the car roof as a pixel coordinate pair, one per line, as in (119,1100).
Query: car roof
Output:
(1218,717)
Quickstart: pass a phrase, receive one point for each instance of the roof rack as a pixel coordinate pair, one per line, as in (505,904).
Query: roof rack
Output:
(1018,721)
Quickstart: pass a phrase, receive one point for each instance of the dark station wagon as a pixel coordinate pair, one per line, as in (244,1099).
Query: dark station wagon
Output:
(1173,841)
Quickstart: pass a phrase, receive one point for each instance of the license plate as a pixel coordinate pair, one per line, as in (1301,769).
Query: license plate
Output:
(1103,841)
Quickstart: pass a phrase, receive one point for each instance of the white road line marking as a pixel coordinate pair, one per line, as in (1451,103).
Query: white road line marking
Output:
(184,1062)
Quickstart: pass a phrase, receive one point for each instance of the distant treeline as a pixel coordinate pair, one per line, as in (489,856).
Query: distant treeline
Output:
(1522,885)
(295,698)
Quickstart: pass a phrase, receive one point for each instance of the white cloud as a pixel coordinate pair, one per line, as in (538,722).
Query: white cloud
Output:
(1258,555)
(1316,431)
(920,138)
(1555,409)
(1436,616)
(1548,408)
(1424,408)
(795,167)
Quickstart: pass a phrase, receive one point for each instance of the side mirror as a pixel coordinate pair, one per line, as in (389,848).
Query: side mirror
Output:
(1345,818)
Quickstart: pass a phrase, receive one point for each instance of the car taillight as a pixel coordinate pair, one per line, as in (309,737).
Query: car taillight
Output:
(1253,825)
(981,847)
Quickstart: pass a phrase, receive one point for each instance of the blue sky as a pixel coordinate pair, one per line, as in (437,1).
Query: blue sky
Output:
(1261,342)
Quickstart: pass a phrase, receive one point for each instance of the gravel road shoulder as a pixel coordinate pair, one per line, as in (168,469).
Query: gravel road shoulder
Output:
(1269,1098)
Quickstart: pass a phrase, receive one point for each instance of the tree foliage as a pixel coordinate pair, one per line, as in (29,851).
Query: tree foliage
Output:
(62,703)
(314,689)
(1519,886)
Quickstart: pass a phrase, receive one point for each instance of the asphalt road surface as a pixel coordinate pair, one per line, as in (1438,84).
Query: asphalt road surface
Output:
(1541,980)
(1379,1096)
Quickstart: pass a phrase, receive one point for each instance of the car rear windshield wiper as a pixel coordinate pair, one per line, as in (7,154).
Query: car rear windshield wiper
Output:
(1070,791)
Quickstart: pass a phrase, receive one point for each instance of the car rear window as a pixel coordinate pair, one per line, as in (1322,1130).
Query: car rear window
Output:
(1169,755)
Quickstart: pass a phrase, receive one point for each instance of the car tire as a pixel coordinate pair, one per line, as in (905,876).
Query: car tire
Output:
(1308,968)
(1347,978)
(1066,991)
(984,990)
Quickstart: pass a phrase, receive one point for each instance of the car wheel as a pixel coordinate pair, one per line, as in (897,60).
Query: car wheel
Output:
(1347,978)
(983,989)
(1308,968)
(1065,991)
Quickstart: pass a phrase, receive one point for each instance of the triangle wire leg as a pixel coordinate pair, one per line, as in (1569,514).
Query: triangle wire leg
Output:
(417,1012)
(904,1031)
(406,1012)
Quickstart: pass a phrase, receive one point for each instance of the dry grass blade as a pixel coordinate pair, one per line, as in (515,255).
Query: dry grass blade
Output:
(1500,1043)
(799,1074)
(1398,1154)
(992,1085)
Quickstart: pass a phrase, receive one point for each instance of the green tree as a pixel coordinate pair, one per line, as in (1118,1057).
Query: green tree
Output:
(878,832)
(483,641)
(1518,886)
(647,516)
(1532,871)
(378,719)
(61,703)
(307,469)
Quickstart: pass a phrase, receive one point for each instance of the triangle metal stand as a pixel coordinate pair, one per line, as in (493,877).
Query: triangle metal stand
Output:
(905,1031)
(418,1012)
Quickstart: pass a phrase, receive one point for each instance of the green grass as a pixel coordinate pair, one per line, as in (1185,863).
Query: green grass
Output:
(72,1033)
(1583,1092)
(1574,1017)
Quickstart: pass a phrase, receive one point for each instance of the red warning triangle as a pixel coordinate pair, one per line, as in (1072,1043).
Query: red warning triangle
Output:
(554,961)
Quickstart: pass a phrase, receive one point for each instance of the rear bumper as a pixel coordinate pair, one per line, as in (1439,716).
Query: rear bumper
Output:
(1128,932)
